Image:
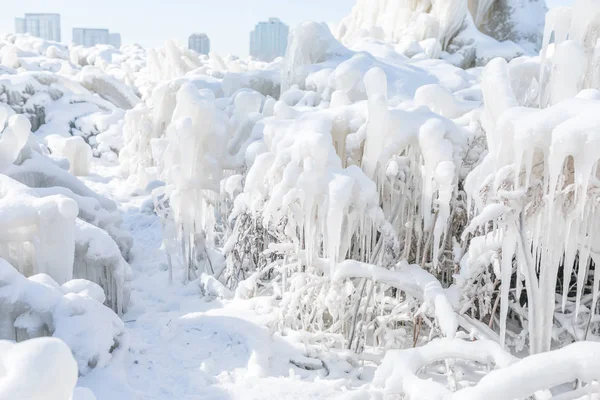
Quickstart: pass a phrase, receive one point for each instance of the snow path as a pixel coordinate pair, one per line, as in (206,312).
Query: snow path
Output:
(185,347)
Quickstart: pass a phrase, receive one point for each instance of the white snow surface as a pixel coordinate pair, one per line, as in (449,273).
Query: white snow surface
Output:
(408,212)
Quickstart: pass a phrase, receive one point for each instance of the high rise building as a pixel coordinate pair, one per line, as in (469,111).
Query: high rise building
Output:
(268,40)
(45,26)
(199,42)
(114,39)
(89,37)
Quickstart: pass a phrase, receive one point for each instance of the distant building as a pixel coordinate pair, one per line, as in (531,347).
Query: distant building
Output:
(89,37)
(45,26)
(268,40)
(114,39)
(199,42)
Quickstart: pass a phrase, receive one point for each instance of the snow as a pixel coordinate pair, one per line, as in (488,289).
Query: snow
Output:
(407,208)
(37,369)
(475,31)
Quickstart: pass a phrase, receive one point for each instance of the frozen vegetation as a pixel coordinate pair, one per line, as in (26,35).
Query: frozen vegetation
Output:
(406,208)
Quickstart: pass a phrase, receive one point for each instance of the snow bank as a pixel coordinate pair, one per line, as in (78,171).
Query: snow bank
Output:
(37,369)
(38,306)
(37,233)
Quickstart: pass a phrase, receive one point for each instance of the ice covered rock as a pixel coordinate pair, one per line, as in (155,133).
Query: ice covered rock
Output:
(98,259)
(92,211)
(75,149)
(30,309)
(37,233)
(14,137)
(108,88)
(84,287)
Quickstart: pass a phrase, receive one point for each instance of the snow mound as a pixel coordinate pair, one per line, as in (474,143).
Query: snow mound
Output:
(38,306)
(39,369)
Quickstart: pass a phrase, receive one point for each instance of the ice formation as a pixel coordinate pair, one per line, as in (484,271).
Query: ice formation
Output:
(41,220)
(541,164)
(98,258)
(375,193)
(38,306)
(74,149)
(475,30)
(38,233)
(342,143)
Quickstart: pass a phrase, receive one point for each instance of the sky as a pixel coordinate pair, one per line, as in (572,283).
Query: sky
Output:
(149,22)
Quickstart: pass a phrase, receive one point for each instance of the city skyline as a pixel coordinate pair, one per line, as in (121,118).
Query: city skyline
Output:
(268,39)
(44,25)
(178,19)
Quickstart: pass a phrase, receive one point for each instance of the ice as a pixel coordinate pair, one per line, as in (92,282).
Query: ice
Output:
(485,26)
(108,88)
(38,231)
(34,308)
(407,208)
(530,144)
(98,259)
(74,149)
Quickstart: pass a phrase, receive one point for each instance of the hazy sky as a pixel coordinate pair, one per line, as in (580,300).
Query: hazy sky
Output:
(150,22)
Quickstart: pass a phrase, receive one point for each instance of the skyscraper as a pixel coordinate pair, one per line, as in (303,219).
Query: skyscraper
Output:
(268,40)
(90,37)
(114,39)
(45,26)
(199,42)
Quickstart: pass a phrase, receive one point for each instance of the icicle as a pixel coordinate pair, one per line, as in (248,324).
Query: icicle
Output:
(508,252)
